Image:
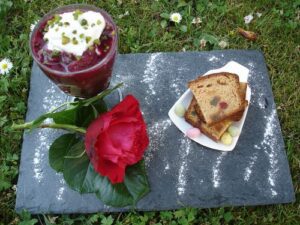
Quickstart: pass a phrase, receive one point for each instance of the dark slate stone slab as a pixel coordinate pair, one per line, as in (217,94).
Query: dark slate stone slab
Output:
(181,173)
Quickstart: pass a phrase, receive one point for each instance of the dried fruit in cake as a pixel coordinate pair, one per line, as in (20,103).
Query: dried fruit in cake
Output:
(214,131)
(218,96)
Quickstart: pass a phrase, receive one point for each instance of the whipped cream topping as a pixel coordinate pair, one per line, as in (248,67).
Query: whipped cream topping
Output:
(74,32)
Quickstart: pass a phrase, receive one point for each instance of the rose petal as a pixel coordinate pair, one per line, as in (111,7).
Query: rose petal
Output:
(114,172)
(116,139)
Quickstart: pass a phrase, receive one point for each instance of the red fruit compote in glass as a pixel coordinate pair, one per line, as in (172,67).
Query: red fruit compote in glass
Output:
(75,46)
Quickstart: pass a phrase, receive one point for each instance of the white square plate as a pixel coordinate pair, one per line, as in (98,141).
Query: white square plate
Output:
(185,99)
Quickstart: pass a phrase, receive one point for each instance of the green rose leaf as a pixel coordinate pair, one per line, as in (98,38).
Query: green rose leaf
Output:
(136,181)
(116,195)
(77,172)
(64,117)
(67,116)
(59,149)
(135,186)
(80,176)
(76,109)
(84,115)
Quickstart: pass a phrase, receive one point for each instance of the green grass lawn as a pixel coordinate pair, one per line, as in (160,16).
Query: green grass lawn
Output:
(146,29)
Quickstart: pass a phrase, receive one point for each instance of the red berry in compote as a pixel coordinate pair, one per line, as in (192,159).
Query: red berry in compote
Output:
(76,46)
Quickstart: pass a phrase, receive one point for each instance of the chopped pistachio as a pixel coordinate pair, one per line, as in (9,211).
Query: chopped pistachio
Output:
(74,32)
(97,42)
(60,24)
(98,22)
(83,22)
(113,33)
(91,48)
(74,41)
(81,35)
(78,57)
(50,22)
(46,39)
(76,14)
(85,27)
(65,40)
(66,23)
(56,29)
(87,39)
(55,53)
(57,18)
(93,24)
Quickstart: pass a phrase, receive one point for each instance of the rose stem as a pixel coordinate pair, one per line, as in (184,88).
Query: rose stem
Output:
(50,125)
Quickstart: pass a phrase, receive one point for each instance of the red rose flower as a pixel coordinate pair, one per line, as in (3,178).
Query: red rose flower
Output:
(116,139)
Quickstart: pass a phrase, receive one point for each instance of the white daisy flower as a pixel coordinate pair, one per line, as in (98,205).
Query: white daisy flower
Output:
(196,20)
(202,43)
(175,17)
(5,66)
(223,44)
(248,18)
